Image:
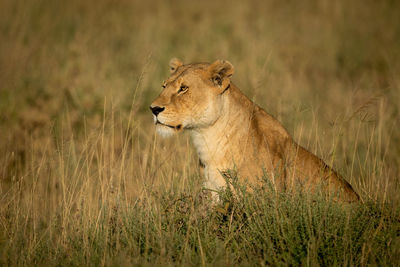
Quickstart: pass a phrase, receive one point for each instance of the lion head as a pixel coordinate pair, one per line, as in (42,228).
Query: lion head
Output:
(191,97)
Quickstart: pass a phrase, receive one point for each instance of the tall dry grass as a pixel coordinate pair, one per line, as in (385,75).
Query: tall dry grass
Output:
(84,180)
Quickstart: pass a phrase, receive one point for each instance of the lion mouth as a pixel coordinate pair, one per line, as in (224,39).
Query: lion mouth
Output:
(178,127)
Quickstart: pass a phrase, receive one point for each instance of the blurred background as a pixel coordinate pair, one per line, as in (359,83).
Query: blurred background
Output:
(329,70)
(77,77)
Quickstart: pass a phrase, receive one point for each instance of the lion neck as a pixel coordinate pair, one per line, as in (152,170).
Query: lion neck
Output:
(217,143)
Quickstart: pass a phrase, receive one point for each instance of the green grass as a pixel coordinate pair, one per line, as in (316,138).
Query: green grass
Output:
(262,228)
(85,181)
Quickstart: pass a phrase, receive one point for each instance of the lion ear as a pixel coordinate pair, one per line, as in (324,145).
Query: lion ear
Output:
(221,71)
(175,63)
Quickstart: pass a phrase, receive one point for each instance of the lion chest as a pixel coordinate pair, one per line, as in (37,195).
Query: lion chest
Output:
(211,148)
(215,155)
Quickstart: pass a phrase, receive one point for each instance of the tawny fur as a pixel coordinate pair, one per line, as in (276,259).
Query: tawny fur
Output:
(230,132)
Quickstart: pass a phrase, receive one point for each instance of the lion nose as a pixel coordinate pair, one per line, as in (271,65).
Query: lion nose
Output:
(156,110)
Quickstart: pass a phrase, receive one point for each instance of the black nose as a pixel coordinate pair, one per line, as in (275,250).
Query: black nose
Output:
(156,110)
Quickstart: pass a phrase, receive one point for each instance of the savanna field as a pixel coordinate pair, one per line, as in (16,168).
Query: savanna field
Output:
(84,180)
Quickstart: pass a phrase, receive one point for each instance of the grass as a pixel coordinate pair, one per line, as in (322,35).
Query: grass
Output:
(85,181)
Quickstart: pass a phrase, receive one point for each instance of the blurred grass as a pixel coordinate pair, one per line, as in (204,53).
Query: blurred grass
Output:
(84,180)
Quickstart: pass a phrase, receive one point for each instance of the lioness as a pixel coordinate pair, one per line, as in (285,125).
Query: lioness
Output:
(229,132)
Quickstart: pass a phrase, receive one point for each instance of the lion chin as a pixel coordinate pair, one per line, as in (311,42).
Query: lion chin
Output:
(165,131)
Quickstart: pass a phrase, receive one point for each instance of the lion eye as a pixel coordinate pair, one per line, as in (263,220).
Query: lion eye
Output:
(183,89)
